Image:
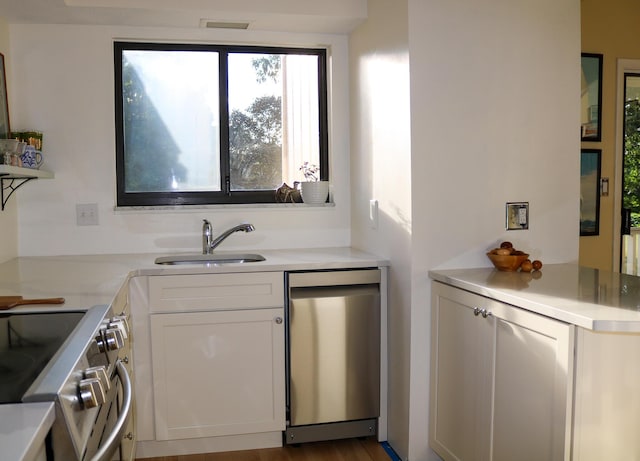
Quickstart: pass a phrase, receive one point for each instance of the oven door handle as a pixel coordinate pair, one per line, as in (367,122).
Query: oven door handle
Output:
(111,444)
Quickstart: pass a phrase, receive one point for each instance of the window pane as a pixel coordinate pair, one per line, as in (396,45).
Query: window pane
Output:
(273,118)
(171,148)
(631,141)
(171,121)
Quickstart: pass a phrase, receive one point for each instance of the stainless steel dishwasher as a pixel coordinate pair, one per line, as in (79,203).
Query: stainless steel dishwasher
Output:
(333,354)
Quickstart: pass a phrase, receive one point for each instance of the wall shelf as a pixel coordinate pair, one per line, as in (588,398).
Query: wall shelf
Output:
(12,177)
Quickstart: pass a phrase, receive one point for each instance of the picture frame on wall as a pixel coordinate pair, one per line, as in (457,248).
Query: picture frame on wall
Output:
(590,164)
(591,97)
(5,129)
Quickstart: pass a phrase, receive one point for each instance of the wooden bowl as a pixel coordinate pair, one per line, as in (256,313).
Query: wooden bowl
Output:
(507,263)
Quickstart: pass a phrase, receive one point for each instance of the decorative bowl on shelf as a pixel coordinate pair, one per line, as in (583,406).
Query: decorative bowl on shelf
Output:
(507,263)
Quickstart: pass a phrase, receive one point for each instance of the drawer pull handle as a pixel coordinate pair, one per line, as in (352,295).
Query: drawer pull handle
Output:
(278,320)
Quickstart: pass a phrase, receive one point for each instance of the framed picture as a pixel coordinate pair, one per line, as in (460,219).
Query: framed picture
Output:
(590,191)
(5,129)
(591,97)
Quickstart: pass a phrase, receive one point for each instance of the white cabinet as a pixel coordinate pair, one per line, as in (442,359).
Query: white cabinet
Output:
(207,292)
(501,380)
(218,373)
(217,349)
(607,401)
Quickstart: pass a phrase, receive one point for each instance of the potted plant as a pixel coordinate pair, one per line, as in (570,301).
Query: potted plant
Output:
(313,190)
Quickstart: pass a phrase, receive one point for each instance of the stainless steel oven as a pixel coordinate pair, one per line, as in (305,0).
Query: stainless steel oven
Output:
(78,360)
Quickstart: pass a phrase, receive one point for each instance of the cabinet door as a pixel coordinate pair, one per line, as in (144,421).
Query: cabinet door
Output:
(218,373)
(461,345)
(533,386)
(501,380)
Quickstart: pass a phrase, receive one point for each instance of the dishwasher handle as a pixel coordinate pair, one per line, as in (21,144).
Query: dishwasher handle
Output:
(334,278)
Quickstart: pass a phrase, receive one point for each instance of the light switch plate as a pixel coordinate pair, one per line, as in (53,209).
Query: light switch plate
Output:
(87,214)
(517,216)
(373,214)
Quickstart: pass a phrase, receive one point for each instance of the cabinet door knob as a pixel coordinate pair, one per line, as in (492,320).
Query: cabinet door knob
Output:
(485,313)
(278,320)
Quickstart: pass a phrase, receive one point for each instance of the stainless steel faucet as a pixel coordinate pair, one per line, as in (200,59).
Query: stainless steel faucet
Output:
(209,243)
(207,235)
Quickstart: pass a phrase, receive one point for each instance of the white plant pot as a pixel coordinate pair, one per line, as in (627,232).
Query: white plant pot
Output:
(314,192)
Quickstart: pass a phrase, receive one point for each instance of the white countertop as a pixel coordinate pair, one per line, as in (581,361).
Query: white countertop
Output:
(589,298)
(87,280)
(23,428)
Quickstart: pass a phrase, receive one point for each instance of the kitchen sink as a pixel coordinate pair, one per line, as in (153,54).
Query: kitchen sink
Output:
(210,258)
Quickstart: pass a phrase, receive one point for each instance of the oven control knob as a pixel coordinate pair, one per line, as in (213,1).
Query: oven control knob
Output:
(119,322)
(91,392)
(110,339)
(99,372)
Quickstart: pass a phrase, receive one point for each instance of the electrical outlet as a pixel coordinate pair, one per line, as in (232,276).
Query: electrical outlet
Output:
(523,219)
(87,214)
(517,215)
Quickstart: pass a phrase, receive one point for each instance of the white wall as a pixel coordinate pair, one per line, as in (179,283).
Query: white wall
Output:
(8,216)
(62,84)
(495,104)
(494,117)
(381,170)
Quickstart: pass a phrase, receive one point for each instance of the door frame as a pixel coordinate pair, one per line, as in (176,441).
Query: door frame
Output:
(623,66)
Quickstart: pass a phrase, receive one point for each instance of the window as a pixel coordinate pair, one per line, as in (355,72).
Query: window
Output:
(209,124)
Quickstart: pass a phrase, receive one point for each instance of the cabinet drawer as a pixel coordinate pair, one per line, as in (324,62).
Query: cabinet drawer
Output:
(182,293)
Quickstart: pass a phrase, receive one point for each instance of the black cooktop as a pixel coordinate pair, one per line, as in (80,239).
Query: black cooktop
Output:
(27,342)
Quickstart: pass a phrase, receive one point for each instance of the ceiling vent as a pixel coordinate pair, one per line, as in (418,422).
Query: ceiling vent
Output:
(211,24)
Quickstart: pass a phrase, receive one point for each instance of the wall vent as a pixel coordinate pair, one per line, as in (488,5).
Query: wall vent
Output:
(211,24)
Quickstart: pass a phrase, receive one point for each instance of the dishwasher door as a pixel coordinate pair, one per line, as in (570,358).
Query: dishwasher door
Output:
(334,347)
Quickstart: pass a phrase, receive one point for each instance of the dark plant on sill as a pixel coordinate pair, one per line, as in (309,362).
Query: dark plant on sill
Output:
(311,172)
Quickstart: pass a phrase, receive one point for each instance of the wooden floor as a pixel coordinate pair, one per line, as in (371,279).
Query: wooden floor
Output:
(337,450)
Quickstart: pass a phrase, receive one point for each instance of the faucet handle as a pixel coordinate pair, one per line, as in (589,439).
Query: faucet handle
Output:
(207,235)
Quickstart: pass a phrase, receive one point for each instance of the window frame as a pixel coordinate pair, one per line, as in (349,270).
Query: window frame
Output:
(226,196)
